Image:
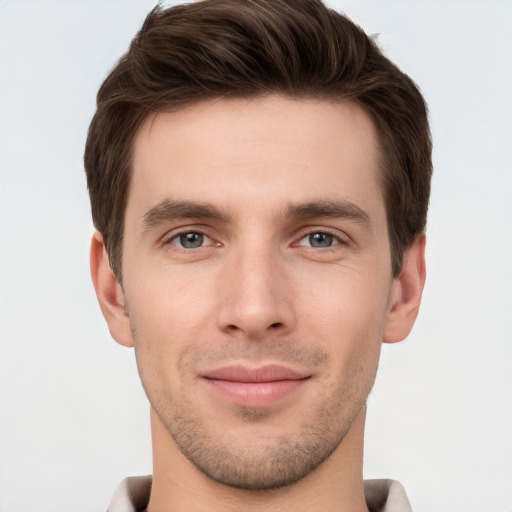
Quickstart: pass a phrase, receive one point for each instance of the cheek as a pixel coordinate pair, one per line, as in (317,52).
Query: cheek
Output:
(169,315)
(347,316)
(169,299)
(347,301)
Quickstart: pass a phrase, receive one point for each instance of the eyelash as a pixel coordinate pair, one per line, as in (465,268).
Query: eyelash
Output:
(335,240)
(176,237)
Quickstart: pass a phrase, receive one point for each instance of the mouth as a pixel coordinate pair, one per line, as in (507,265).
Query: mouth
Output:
(255,387)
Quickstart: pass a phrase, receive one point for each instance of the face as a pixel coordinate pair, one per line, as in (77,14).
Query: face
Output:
(257,281)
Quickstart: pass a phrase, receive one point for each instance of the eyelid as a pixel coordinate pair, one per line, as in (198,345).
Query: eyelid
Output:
(340,237)
(336,242)
(207,241)
(170,236)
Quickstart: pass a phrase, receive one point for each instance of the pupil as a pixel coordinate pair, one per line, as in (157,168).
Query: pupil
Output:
(191,240)
(320,240)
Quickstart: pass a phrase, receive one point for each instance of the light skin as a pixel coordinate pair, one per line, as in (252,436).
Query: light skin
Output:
(257,292)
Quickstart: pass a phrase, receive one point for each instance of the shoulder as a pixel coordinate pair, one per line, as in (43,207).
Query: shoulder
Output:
(386,496)
(131,495)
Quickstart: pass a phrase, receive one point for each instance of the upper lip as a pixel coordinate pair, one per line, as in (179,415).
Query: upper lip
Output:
(241,373)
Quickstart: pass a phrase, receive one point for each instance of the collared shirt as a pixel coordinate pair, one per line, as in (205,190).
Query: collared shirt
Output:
(133,492)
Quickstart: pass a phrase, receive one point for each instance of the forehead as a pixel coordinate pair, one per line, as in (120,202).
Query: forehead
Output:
(260,152)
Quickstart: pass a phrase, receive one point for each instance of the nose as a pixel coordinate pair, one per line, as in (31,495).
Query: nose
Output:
(256,295)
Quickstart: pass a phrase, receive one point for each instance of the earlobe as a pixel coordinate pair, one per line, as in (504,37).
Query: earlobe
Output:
(109,293)
(406,293)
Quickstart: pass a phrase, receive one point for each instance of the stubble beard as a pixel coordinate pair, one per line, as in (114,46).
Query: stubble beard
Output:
(280,462)
(277,461)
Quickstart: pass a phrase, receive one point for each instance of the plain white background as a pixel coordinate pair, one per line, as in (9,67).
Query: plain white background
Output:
(74,420)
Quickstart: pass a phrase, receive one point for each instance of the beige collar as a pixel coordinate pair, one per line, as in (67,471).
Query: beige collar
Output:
(133,492)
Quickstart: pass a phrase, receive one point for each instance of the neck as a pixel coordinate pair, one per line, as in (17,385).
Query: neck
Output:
(335,485)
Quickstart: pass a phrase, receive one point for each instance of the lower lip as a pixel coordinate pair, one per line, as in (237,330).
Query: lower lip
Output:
(255,394)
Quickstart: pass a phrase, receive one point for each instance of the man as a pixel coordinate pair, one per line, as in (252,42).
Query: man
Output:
(259,176)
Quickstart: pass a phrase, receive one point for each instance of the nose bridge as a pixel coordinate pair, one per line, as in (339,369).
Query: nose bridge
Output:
(254,296)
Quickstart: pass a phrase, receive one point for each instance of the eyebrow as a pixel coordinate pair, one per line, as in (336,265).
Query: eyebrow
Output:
(168,210)
(328,209)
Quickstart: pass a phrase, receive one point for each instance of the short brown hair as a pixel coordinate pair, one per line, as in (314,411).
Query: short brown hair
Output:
(251,48)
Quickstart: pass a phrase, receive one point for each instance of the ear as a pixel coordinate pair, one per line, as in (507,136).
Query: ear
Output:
(406,294)
(109,293)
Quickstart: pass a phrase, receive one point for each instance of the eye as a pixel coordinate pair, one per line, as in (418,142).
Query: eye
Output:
(191,240)
(320,240)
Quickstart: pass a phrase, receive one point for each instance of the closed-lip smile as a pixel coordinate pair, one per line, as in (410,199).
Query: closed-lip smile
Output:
(254,387)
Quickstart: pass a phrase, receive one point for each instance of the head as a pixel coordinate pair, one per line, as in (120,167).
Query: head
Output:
(259,177)
(238,49)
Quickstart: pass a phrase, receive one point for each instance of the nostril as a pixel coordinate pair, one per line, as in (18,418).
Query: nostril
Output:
(275,325)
